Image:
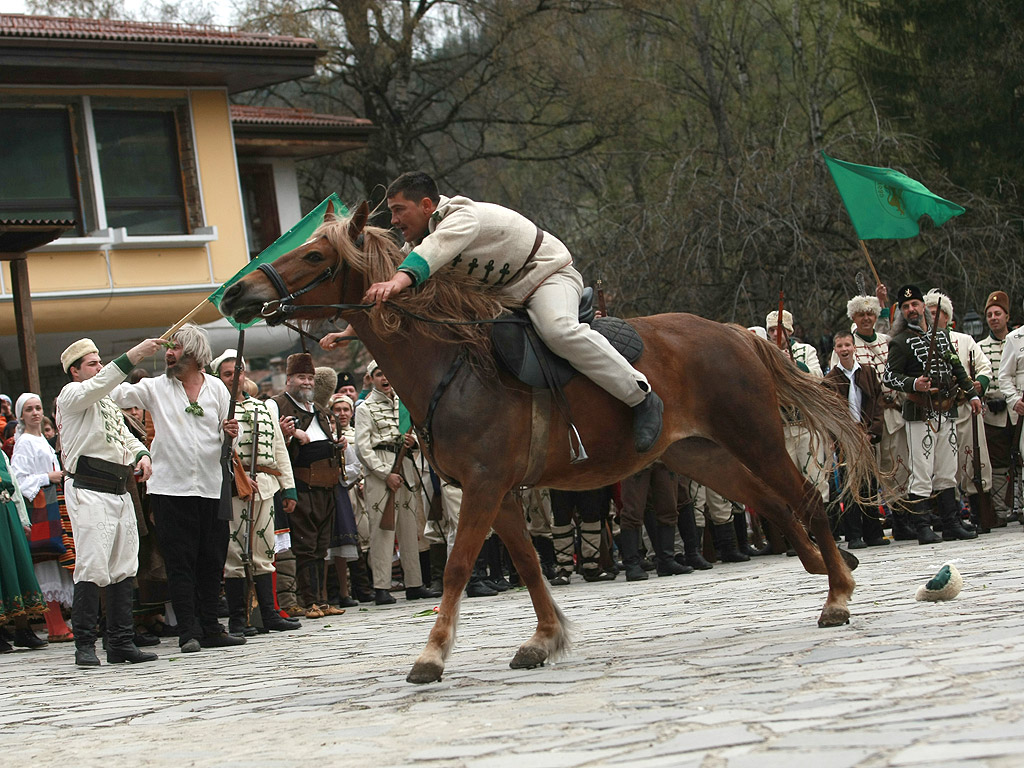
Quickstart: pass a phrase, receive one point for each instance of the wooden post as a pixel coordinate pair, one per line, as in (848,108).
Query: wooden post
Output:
(24,323)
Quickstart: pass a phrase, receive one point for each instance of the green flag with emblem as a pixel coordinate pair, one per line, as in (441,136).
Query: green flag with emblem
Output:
(287,242)
(885,204)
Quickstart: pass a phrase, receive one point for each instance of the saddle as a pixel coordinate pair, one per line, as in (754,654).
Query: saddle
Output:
(521,352)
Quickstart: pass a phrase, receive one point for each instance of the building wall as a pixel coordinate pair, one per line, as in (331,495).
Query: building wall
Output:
(103,285)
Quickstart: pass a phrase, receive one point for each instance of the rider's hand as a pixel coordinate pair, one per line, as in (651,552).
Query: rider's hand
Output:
(394,481)
(381,292)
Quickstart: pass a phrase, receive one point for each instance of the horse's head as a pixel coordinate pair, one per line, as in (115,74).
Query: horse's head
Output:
(318,272)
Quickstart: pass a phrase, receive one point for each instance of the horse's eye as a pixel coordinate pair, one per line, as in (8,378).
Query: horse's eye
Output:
(314,257)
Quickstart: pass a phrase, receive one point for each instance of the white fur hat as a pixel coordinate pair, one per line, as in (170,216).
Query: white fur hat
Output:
(371,367)
(863,304)
(772,321)
(228,354)
(935,296)
(79,349)
(759,331)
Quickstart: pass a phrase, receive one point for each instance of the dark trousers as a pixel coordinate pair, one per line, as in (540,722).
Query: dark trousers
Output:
(312,523)
(858,521)
(589,505)
(194,545)
(661,485)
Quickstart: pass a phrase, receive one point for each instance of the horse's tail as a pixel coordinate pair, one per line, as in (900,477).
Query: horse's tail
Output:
(824,413)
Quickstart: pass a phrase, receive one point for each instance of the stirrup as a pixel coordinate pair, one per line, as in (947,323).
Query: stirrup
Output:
(576,457)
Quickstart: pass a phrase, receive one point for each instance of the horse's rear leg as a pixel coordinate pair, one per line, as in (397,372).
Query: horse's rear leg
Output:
(551,638)
(777,490)
(475,519)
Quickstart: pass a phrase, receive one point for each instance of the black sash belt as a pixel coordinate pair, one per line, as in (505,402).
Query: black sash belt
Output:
(102,476)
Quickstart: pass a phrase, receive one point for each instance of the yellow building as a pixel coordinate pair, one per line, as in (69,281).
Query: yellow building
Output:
(126,128)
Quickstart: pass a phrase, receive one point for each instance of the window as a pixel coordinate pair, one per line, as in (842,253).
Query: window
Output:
(140,172)
(107,163)
(260,203)
(37,166)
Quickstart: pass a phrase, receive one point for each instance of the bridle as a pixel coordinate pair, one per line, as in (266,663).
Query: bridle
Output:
(282,304)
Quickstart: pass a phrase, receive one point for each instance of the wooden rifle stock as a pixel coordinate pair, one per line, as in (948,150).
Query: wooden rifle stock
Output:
(986,513)
(387,520)
(1013,476)
(250,523)
(602,307)
(224,511)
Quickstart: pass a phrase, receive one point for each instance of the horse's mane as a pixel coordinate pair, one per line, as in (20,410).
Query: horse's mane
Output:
(445,297)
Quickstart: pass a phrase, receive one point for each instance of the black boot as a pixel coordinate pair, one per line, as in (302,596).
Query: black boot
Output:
(383,597)
(739,524)
(664,551)
(948,508)
(477,586)
(85,610)
(647,422)
(359,579)
(438,560)
(725,542)
(919,513)
(121,628)
(629,544)
(495,570)
(238,625)
(272,620)
(903,526)
(687,524)
(546,552)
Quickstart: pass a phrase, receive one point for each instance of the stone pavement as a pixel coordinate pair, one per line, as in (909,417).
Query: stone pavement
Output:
(721,669)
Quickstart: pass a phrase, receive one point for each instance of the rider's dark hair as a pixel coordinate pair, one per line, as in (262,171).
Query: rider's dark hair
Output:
(414,185)
(842,334)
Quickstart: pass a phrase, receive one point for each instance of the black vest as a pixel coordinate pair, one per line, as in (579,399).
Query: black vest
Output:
(304,455)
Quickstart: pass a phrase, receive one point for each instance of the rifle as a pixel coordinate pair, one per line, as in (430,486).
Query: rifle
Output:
(778,328)
(249,523)
(225,511)
(986,513)
(387,520)
(1013,477)
(602,307)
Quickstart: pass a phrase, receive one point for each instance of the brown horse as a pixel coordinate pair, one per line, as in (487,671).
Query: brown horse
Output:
(722,388)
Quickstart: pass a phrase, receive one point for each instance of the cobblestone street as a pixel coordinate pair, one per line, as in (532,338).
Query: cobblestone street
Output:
(718,668)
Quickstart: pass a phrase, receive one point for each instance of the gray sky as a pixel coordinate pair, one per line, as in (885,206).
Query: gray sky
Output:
(222,8)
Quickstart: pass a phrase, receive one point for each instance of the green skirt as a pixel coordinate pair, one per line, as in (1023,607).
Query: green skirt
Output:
(19,590)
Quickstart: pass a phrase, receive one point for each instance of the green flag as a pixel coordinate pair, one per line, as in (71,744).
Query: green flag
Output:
(289,241)
(884,204)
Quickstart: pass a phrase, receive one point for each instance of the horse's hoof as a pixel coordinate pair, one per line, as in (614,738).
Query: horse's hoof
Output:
(851,560)
(834,617)
(425,672)
(528,657)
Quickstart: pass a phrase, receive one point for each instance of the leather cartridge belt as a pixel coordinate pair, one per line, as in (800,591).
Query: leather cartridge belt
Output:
(324,473)
(94,474)
(393,448)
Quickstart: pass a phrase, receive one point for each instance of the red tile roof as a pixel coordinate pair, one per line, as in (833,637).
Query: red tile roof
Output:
(53,27)
(286,116)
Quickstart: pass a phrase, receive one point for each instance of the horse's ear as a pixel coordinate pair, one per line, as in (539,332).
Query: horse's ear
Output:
(359,218)
(329,213)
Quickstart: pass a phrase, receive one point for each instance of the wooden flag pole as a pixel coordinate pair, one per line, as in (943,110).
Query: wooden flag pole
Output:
(864,247)
(170,331)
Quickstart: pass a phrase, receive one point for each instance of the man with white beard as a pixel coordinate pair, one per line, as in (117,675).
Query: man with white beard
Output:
(316,470)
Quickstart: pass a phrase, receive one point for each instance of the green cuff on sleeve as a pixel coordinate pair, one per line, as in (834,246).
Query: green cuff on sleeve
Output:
(984,383)
(124,364)
(884,313)
(290,493)
(140,454)
(416,266)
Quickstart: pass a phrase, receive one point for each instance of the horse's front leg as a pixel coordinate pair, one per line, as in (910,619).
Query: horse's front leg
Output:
(476,515)
(551,638)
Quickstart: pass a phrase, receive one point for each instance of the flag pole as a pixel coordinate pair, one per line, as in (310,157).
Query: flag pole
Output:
(864,247)
(170,331)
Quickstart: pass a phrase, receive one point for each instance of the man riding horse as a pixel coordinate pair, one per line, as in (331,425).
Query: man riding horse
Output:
(506,249)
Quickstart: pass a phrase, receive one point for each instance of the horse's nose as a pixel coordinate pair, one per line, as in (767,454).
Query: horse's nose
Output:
(232,294)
